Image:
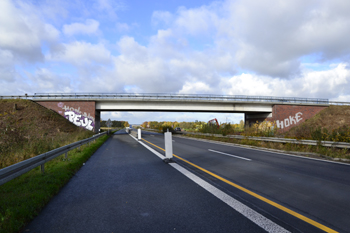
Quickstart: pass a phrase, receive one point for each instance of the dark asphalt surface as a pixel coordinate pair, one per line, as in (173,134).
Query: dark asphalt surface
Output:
(316,189)
(124,187)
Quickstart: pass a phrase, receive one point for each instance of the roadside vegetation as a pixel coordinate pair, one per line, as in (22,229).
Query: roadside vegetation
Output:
(330,124)
(27,129)
(22,198)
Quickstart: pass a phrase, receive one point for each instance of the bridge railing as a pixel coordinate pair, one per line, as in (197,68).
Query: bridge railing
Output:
(15,170)
(186,97)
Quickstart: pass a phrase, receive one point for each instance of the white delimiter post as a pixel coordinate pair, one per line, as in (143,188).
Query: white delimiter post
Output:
(168,146)
(139,134)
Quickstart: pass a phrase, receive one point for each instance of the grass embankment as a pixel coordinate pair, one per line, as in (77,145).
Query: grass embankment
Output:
(27,129)
(22,199)
(330,124)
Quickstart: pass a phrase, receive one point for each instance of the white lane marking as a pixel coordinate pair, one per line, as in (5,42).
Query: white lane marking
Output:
(249,213)
(229,155)
(252,215)
(149,148)
(269,151)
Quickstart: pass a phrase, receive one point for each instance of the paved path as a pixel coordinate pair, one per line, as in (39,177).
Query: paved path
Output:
(125,188)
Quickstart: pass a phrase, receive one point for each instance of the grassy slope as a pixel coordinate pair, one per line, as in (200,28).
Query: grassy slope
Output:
(31,130)
(331,119)
(22,199)
(26,132)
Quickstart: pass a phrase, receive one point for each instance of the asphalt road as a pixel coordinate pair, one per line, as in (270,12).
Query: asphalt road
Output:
(315,189)
(124,187)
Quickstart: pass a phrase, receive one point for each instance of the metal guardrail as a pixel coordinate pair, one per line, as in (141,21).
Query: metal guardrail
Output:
(280,140)
(15,170)
(164,96)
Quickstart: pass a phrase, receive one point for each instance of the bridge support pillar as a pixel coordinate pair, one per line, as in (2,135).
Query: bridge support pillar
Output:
(97,121)
(251,118)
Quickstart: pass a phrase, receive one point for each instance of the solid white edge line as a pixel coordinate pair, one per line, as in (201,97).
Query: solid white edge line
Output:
(149,148)
(247,212)
(235,156)
(298,156)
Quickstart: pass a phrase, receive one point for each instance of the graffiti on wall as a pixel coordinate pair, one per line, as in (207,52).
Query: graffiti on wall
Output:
(289,121)
(77,117)
(79,120)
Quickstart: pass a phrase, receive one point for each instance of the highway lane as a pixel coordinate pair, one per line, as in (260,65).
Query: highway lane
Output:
(316,189)
(124,187)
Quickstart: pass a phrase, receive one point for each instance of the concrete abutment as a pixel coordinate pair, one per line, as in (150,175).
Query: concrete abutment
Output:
(285,116)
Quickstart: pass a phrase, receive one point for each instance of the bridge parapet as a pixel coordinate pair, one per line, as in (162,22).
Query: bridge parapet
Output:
(182,97)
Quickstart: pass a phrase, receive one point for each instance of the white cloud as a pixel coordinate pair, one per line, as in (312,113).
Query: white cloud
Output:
(195,88)
(49,82)
(329,83)
(22,33)
(161,17)
(89,27)
(83,53)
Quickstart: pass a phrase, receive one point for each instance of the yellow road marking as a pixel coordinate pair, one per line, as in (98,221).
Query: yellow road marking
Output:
(285,209)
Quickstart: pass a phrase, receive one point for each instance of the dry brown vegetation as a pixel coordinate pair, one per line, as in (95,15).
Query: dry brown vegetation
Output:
(331,124)
(28,129)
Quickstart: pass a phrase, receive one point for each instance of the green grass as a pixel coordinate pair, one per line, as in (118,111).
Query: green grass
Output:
(23,198)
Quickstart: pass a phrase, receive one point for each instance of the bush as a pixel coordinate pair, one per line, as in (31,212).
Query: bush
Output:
(166,128)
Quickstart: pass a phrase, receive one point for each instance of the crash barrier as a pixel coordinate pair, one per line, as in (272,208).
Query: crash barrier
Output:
(15,170)
(280,140)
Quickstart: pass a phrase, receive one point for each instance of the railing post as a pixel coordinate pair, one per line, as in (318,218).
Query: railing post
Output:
(42,168)
(66,155)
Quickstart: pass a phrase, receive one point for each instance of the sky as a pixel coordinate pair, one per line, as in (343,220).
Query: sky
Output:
(231,47)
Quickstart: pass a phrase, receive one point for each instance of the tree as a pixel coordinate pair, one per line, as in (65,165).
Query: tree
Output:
(241,124)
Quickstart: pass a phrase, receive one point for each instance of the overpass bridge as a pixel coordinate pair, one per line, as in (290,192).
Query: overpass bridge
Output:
(84,109)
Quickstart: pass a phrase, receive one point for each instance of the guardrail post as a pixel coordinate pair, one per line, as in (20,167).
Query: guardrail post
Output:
(168,147)
(139,134)
(42,168)
(66,155)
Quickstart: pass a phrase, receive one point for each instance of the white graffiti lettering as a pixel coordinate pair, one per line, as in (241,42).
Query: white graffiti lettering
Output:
(77,110)
(76,119)
(70,116)
(297,116)
(289,121)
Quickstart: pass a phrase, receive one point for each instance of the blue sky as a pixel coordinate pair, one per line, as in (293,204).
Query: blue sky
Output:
(242,47)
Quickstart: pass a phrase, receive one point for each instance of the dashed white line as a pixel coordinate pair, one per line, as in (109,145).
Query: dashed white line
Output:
(235,156)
